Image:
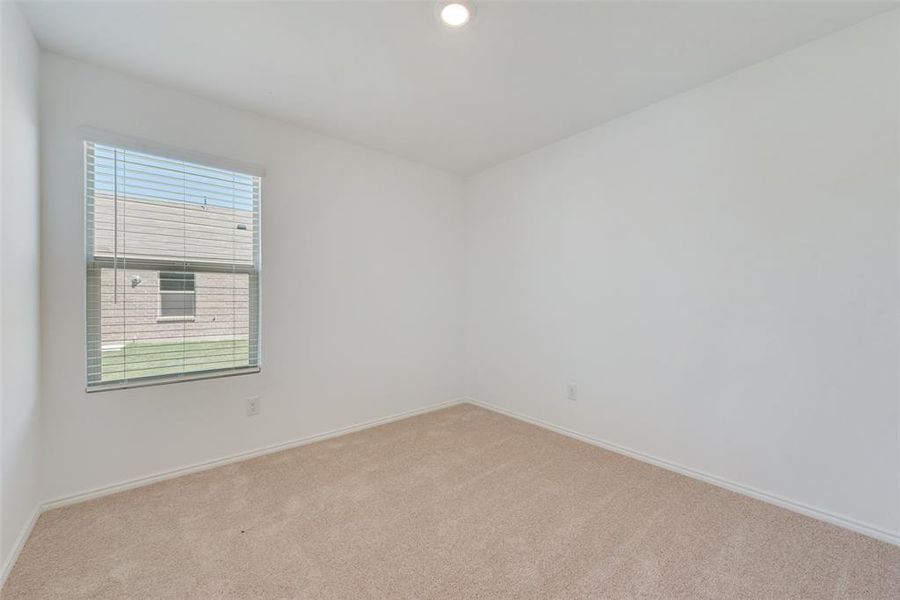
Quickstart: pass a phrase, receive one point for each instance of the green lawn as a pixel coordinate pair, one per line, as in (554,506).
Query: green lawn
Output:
(150,359)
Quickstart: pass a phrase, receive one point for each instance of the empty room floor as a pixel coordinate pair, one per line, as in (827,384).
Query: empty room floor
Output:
(461,502)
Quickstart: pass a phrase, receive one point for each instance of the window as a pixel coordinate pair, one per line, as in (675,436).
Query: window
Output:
(177,299)
(173,257)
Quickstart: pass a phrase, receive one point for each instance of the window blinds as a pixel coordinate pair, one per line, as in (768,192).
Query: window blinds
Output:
(173,262)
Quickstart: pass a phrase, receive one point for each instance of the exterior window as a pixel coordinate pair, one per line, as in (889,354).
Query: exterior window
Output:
(173,269)
(177,299)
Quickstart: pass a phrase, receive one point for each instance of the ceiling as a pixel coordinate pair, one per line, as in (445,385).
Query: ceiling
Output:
(391,77)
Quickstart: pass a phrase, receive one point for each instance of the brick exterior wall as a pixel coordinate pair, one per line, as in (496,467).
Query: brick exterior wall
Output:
(221,309)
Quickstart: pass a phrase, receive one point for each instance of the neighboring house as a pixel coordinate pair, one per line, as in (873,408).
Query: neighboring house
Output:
(199,288)
(163,306)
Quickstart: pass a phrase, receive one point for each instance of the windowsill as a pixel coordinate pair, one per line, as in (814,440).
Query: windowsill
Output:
(166,379)
(175,319)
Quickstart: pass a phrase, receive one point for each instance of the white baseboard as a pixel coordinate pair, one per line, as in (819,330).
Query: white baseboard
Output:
(219,462)
(20,543)
(792,505)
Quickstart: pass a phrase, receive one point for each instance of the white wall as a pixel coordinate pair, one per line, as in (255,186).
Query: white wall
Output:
(719,275)
(361,299)
(19,280)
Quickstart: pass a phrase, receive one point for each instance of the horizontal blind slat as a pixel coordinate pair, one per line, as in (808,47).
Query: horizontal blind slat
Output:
(143,172)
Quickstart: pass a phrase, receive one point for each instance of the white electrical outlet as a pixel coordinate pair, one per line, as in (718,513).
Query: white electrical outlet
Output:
(253,406)
(572,392)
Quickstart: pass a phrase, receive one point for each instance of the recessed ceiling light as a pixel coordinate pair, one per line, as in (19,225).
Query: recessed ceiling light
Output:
(455,13)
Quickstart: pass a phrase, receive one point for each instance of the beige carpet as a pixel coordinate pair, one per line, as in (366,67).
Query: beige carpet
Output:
(460,503)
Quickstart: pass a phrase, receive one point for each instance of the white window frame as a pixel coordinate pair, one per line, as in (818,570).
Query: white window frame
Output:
(92,292)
